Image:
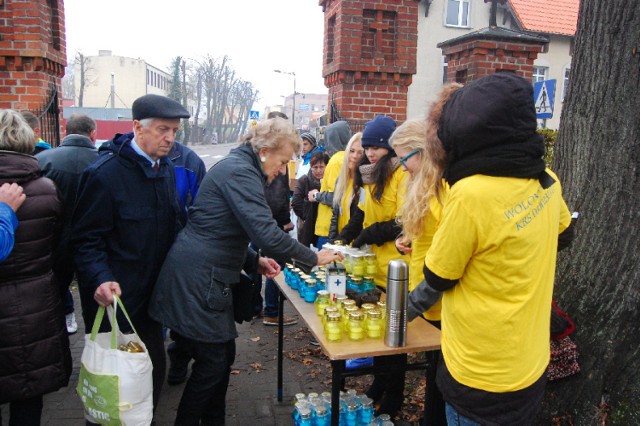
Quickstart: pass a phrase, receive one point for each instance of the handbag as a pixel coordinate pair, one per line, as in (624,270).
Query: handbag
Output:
(243,298)
(115,383)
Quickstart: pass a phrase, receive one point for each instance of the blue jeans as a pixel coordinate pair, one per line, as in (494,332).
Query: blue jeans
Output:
(68,303)
(456,419)
(271,298)
(203,399)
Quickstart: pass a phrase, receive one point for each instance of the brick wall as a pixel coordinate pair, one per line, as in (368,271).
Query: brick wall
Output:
(473,59)
(370,50)
(32,52)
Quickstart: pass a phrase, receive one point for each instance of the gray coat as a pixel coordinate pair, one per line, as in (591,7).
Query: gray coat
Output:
(193,293)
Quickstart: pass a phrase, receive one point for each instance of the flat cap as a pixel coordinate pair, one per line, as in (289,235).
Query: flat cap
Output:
(156,106)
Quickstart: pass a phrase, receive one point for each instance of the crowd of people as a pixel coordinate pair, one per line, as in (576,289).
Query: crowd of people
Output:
(463,195)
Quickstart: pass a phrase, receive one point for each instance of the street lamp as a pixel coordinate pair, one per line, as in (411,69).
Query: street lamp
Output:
(293,110)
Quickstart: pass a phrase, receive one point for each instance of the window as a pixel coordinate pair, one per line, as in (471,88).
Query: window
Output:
(539,74)
(445,69)
(457,14)
(565,82)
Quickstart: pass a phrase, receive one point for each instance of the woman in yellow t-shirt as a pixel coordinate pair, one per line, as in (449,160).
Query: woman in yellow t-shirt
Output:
(345,195)
(423,158)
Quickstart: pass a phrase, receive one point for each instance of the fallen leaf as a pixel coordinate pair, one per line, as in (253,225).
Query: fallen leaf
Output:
(255,339)
(235,372)
(307,361)
(256,366)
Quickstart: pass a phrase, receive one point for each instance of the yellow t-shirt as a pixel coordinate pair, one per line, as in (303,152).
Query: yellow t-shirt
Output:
(331,173)
(345,206)
(420,246)
(382,211)
(499,237)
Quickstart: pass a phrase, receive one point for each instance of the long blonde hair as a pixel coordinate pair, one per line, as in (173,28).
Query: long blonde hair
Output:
(426,182)
(346,174)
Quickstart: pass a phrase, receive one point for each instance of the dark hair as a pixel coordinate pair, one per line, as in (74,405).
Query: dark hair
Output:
(274,114)
(381,173)
(319,157)
(80,124)
(32,120)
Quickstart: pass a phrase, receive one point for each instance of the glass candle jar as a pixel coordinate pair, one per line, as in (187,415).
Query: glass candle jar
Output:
(374,325)
(310,290)
(345,316)
(368,283)
(383,308)
(358,264)
(321,302)
(367,307)
(356,326)
(338,300)
(371,267)
(332,327)
(356,284)
(346,302)
(328,310)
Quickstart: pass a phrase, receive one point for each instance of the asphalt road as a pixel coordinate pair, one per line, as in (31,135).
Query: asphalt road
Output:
(210,154)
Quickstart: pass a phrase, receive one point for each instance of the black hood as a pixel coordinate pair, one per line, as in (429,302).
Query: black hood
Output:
(489,127)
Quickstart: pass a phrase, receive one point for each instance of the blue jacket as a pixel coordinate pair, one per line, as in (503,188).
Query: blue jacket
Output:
(189,169)
(8,225)
(125,221)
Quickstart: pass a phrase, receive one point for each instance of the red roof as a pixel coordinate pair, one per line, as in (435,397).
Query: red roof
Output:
(547,16)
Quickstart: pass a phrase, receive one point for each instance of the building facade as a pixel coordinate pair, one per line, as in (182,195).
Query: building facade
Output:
(441,20)
(112,81)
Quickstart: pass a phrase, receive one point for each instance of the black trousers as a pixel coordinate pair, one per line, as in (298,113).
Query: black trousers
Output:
(25,413)
(203,400)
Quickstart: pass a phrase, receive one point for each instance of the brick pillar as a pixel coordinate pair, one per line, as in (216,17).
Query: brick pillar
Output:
(370,53)
(489,51)
(32,52)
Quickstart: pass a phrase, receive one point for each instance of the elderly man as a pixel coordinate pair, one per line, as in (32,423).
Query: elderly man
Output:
(126,219)
(64,165)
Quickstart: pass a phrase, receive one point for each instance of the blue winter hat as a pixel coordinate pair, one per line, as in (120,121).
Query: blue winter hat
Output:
(378,131)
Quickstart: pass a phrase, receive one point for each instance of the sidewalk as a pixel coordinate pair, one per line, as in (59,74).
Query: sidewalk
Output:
(251,398)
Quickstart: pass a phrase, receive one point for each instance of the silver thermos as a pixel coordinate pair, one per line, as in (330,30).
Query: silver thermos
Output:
(397,300)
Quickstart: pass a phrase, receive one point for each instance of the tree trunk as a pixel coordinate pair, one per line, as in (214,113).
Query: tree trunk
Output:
(598,277)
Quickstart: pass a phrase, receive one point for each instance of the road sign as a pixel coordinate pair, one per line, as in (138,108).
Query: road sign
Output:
(254,115)
(544,93)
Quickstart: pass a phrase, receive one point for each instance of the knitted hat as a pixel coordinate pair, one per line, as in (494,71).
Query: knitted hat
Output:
(156,106)
(377,132)
(308,136)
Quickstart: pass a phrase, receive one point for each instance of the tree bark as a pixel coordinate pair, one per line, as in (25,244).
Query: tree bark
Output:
(598,277)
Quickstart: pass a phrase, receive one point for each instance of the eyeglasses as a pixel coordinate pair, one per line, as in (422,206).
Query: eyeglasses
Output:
(404,159)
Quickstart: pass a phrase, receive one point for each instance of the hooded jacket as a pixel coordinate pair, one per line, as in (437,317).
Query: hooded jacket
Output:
(125,221)
(34,347)
(337,137)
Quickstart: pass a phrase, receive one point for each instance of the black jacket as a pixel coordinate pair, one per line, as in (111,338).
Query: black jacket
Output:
(125,221)
(305,210)
(34,347)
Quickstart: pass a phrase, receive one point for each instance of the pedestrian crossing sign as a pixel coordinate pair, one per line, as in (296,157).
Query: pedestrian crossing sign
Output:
(543,93)
(254,115)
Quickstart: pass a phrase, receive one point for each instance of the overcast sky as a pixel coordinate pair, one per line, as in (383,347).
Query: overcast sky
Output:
(257,35)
